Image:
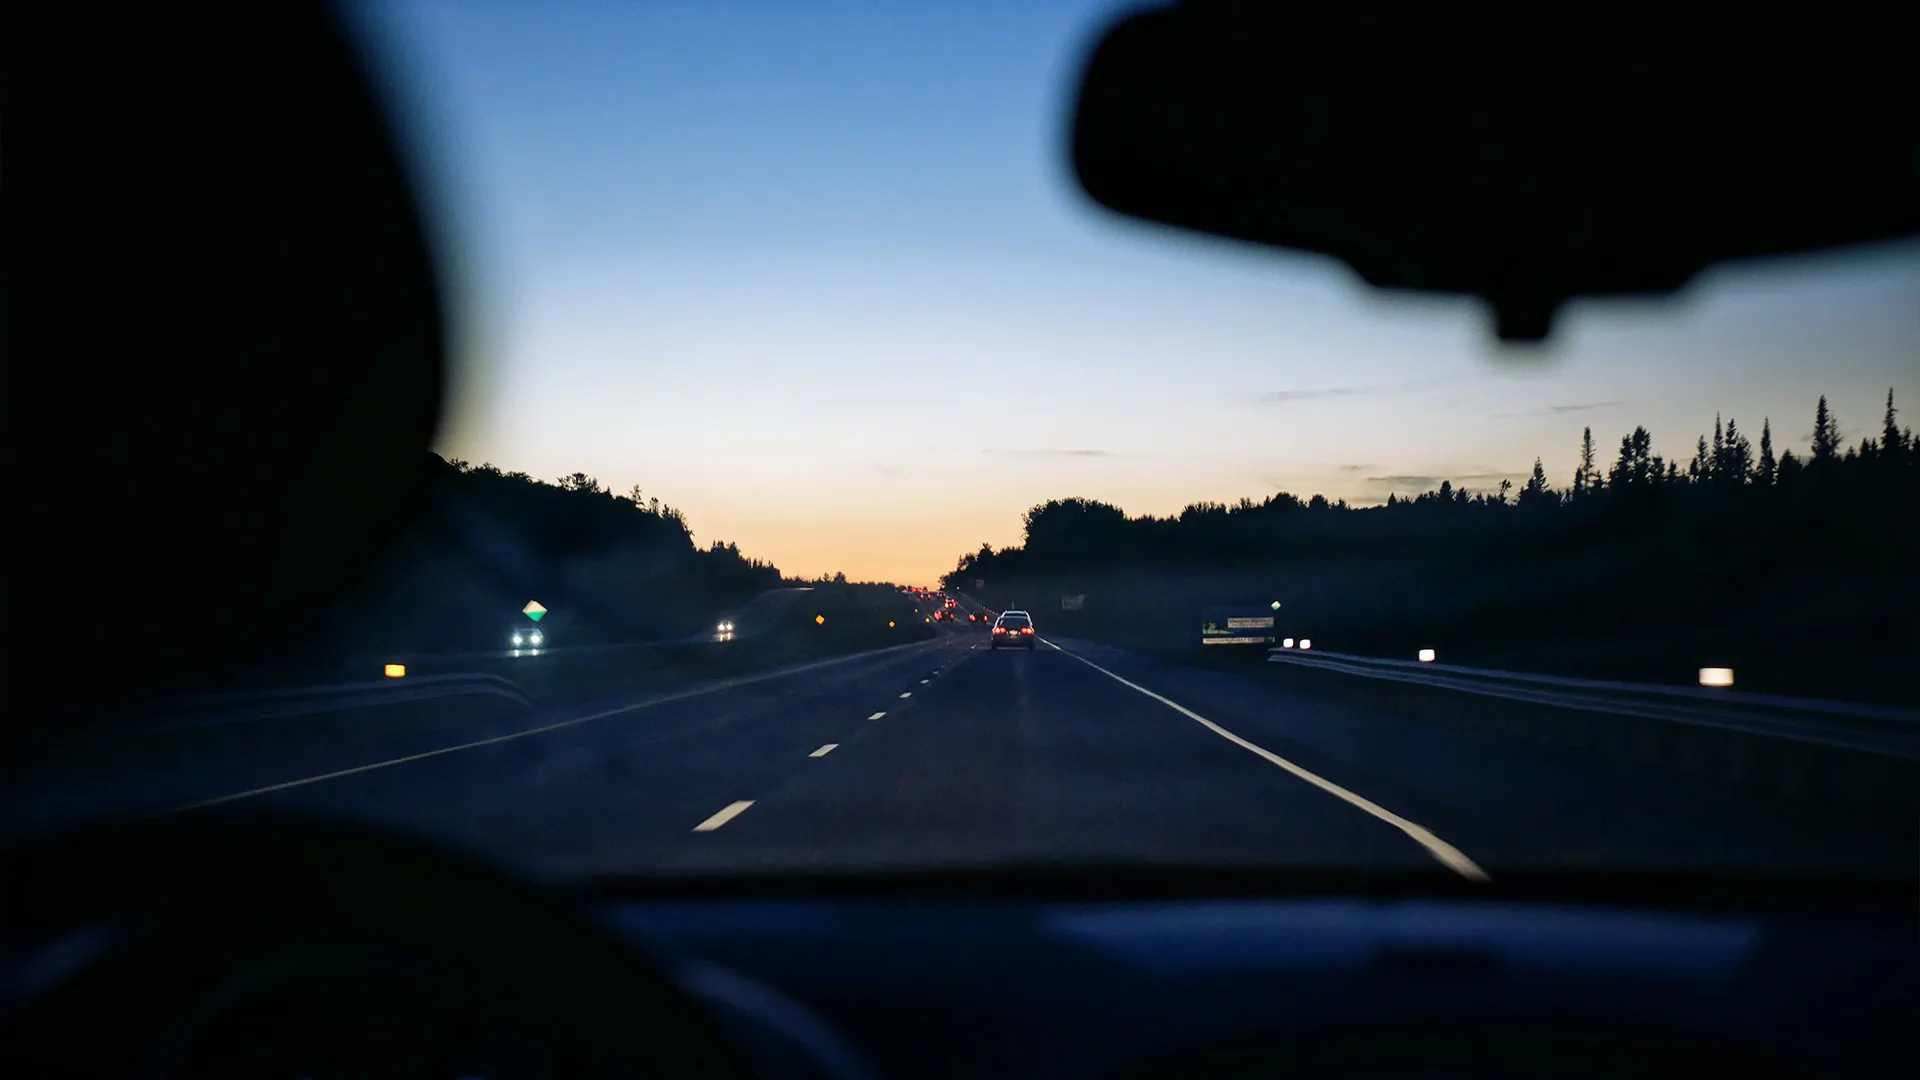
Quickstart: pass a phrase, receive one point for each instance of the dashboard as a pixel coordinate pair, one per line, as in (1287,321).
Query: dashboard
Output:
(273,951)
(1321,986)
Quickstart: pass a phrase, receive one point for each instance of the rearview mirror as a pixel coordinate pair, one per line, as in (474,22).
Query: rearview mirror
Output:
(1526,161)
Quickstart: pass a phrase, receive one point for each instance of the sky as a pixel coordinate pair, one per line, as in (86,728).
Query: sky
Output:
(817,275)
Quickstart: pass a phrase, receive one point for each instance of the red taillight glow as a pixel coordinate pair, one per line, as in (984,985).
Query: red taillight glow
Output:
(999,629)
(1026,629)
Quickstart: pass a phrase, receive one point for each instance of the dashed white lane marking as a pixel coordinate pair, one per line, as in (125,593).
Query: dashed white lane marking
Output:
(1448,855)
(908,694)
(924,682)
(728,813)
(876,716)
(663,699)
(824,751)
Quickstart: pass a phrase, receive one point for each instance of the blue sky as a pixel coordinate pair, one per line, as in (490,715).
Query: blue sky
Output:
(815,273)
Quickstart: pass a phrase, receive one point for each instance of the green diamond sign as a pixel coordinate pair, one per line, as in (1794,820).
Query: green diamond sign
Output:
(533,610)
(1275,605)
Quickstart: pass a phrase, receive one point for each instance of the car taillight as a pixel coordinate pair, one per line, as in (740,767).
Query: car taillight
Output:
(999,629)
(1026,629)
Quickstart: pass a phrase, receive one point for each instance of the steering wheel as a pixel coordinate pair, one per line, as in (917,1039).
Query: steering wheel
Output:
(261,945)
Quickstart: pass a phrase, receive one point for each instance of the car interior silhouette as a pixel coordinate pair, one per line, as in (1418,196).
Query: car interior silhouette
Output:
(231,283)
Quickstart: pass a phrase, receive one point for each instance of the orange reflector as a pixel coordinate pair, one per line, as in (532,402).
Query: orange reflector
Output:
(1716,676)
(819,620)
(396,671)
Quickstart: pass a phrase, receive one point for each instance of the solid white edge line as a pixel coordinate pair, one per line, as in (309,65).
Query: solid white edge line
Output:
(664,699)
(824,750)
(727,813)
(1448,855)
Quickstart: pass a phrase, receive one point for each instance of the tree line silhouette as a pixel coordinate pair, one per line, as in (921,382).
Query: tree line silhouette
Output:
(608,567)
(1636,538)
(1873,481)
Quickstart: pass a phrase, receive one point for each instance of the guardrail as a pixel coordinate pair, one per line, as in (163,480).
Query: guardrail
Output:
(1884,731)
(215,710)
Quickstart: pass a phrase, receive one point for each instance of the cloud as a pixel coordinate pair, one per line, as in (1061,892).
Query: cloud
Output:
(1428,483)
(1288,397)
(1561,410)
(1354,468)
(1283,397)
(1056,453)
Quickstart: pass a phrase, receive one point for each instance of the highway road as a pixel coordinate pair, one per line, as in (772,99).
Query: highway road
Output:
(945,754)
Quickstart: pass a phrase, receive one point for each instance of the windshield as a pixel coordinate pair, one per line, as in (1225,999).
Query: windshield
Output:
(780,328)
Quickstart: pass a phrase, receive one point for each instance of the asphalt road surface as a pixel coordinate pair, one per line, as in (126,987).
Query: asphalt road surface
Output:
(946,754)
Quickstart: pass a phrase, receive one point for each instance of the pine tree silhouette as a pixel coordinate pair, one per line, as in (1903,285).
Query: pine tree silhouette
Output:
(1586,478)
(1536,490)
(1892,443)
(1700,469)
(1736,457)
(1826,434)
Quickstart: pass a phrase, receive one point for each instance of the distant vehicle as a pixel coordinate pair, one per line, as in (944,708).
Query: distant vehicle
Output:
(1014,629)
(528,637)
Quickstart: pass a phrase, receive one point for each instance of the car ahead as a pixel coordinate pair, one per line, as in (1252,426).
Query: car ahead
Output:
(1013,630)
(526,637)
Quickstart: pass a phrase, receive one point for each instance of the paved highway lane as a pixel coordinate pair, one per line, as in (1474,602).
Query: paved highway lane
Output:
(1017,755)
(943,754)
(1511,802)
(951,754)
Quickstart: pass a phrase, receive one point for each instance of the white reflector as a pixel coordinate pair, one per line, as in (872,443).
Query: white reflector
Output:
(1426,656)
(1716,676)
(1305,644)
(1287,644)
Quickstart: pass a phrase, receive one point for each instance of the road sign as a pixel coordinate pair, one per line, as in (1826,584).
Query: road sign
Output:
(819,620)
(1275,605)
(533,610)
(1236,626)
(1073,603)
